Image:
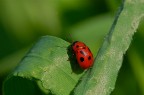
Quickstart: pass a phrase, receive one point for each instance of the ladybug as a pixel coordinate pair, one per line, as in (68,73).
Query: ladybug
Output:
(83,54)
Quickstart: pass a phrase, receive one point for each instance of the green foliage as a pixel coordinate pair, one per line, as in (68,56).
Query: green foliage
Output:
(101,79)
(24,21)
(45,67)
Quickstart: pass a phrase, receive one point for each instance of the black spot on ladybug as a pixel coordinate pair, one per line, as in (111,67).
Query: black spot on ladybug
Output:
(89,58)
(81,59)
(77,46)
(84,47)
(82,52)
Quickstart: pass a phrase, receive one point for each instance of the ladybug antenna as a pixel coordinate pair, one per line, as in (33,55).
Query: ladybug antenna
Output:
(66,38)
(70,37)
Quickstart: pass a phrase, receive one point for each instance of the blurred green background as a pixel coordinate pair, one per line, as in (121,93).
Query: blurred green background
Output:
(23,22)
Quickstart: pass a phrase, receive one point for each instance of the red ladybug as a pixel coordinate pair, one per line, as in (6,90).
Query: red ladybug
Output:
(83,54)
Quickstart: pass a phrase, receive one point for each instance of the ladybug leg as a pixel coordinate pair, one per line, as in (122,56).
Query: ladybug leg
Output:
(68,59)
(91,67)
(73,55)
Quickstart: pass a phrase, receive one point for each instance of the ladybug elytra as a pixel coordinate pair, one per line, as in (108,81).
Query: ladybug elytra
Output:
(83,54)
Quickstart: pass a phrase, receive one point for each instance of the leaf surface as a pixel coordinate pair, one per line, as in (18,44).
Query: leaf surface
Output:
(100,80)
(45,69)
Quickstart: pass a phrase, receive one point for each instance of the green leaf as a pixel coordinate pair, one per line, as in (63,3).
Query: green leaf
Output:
(100,80)
(137,66)
(44,70)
